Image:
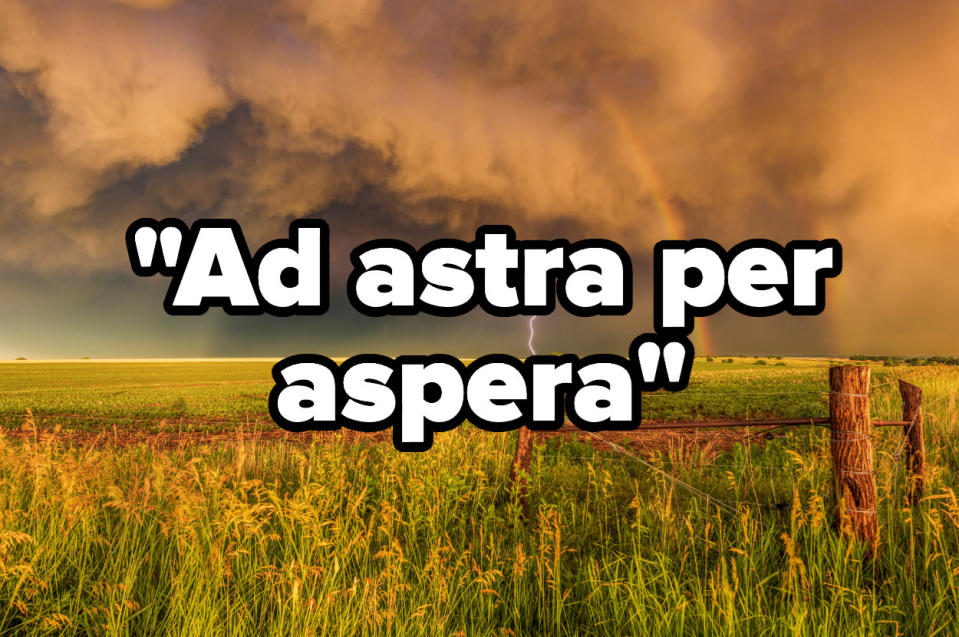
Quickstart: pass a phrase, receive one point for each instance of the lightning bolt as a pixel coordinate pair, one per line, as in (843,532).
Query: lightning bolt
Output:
(532,333)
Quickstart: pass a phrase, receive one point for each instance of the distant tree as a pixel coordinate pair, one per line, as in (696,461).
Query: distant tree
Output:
(727,360)
(760,362)
(780,364)
(21,358)
(709,359)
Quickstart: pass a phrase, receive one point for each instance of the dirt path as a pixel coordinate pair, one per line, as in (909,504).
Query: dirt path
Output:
(706,441)
(130,436)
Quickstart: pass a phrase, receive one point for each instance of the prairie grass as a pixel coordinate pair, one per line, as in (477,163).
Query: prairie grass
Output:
(346,538)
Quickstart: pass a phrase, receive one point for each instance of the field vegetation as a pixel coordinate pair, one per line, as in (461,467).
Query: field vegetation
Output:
(111,524)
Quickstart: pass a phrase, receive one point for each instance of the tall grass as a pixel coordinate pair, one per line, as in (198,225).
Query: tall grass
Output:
(348,539)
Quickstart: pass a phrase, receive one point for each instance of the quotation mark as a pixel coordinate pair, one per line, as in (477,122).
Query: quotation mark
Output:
(665,363)
(143,238)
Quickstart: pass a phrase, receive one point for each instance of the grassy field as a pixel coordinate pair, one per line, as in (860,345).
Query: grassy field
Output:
(221,395)
(346,536)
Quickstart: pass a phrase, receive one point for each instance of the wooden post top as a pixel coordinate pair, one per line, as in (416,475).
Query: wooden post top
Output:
(849,379)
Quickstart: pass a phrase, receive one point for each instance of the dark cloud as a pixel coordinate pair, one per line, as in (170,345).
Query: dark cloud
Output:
(632,121)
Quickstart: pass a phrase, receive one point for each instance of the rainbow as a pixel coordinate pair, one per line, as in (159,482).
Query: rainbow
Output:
(838,301)
(670,218)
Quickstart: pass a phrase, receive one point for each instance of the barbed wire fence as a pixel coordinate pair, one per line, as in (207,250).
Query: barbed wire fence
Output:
(851,448)
(673,473)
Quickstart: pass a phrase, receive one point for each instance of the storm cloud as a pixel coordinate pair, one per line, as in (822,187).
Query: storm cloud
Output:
(632,121)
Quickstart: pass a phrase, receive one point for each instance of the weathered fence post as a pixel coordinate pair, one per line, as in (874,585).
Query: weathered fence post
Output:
(914,446)
(519,471)
(852,454)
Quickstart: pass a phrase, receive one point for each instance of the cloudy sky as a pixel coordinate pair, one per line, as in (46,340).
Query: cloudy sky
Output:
(636,121)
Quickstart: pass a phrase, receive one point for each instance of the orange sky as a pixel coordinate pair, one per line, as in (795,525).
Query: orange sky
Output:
(631,121)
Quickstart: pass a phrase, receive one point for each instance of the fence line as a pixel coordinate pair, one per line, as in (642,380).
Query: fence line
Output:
(781,506)
(723,505)
(696,465)
(851,429)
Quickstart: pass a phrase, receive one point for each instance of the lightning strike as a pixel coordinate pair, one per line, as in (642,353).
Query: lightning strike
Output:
(532,333)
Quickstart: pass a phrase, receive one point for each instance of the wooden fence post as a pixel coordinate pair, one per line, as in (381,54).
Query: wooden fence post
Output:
(519,471)
(852,454)
(914,446)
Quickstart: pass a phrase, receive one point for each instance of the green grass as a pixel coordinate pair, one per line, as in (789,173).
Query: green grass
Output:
(87,395)
(347,538)
(220,396)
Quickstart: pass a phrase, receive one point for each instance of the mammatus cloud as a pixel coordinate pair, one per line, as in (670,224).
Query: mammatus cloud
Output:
(788,120)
